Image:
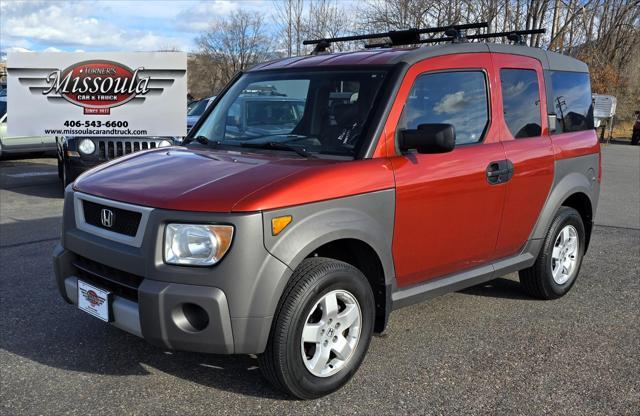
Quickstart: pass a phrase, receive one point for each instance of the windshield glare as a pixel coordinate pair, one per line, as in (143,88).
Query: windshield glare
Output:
(322,112)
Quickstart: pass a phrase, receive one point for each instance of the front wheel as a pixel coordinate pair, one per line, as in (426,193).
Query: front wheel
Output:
(557,266)
(321,330)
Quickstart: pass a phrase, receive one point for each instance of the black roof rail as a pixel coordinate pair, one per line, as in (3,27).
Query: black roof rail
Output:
(397,37)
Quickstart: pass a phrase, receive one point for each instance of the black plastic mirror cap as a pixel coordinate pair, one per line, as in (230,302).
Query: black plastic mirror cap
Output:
(429,138)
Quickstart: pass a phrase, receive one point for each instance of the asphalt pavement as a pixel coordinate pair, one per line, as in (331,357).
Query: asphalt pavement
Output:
(486,350)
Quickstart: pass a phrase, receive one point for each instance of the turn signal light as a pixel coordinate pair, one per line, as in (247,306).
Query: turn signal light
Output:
(280,223)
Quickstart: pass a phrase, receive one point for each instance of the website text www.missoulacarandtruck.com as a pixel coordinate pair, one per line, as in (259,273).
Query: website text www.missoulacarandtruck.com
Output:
(95,132)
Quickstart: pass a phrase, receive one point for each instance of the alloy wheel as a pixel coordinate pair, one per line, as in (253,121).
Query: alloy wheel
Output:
(331,333)
(564,256)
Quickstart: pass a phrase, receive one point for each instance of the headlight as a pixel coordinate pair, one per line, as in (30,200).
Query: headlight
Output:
(196,244)
(164,143)
(87,146)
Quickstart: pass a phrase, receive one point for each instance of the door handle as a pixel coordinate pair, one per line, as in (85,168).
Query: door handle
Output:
(499,171)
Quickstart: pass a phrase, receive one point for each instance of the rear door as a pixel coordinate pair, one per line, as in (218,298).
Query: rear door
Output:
(447,211)
(527,145)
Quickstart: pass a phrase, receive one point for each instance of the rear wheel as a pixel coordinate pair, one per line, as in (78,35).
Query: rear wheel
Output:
(321,331)
(557,266)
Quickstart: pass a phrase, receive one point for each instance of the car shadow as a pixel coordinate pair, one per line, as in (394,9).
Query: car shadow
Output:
(39,326)
(499,288)
(8,157)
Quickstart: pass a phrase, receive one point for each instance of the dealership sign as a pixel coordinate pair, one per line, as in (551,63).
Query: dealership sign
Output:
(97,94)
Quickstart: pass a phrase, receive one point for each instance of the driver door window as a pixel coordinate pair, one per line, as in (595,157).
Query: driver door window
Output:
(457,98)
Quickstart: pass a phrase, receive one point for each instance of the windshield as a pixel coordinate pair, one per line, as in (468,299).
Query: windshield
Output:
(322,112)
(198,108)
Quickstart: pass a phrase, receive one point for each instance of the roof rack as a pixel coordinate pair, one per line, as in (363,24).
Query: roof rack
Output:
(397,37)
(515,36)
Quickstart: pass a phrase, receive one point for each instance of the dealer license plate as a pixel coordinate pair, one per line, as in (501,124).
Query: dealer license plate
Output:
(94,301)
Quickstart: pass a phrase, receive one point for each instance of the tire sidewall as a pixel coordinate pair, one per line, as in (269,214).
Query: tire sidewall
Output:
(357,285)
(567,216)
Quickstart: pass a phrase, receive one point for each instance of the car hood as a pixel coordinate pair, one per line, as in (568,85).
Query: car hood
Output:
(184,179)
(178,178)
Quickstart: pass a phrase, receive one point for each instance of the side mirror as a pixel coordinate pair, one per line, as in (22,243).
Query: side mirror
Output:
(429,138)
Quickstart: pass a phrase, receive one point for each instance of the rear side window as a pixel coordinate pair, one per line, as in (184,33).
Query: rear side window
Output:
(569,98)
(458,98)
(521,102)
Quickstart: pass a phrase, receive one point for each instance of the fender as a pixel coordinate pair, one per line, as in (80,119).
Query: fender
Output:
(366,217)
(574,175)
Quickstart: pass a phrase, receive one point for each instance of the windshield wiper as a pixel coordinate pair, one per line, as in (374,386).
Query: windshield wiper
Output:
(279,146)
(204,140)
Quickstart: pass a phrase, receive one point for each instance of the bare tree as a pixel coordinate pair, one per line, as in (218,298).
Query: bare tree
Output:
(603,33)
(289,16)
(235,43)
(326,19)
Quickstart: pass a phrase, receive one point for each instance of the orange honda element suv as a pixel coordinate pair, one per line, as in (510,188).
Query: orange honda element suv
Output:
(293,231)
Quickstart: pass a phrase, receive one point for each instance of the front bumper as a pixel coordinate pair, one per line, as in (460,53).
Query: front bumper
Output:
(79,164)
(159,314)
(236,297)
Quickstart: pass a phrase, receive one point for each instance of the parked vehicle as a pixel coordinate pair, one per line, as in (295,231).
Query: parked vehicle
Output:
(259,116)
(78,154)
(451,165)
(21,144)
(196,109)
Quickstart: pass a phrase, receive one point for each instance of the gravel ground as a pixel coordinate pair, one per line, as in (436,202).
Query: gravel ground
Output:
(486,350)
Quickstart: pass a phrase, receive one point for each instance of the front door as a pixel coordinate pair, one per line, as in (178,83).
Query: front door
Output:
(448,209)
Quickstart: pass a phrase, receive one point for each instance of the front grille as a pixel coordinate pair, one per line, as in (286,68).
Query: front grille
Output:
(110,148)
(118,282)
(123,221)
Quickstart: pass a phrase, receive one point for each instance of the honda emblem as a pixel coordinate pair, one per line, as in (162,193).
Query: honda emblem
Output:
(106,217)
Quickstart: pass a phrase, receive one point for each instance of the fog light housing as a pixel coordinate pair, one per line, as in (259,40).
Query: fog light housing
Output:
(190,317)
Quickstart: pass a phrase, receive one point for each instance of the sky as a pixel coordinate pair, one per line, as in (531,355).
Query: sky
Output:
(111,25)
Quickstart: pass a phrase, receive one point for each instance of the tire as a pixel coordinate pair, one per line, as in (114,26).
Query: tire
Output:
(538,280)
(302,306)
(635,138)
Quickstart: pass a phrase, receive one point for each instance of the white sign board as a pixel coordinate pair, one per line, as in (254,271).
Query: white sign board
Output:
(97,94)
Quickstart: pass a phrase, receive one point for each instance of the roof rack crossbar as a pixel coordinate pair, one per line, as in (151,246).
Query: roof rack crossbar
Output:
(397,37)
(515,36)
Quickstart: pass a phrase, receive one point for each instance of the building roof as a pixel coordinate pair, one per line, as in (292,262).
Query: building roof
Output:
(389,56)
